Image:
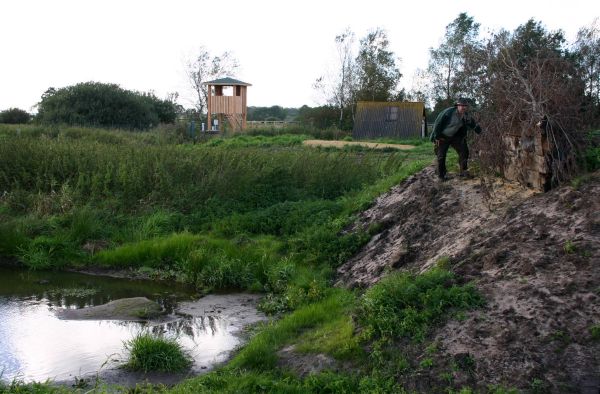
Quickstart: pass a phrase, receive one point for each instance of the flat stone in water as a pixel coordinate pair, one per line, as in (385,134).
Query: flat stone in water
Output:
(136,308)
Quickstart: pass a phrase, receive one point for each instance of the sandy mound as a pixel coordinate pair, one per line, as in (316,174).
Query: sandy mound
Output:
(535,258)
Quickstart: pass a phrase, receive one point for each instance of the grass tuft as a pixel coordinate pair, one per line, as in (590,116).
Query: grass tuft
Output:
(150,353)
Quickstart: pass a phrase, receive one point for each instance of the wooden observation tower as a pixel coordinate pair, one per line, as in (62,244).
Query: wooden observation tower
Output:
(227,96)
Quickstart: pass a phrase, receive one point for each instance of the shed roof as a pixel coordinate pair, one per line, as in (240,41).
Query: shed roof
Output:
(227,81)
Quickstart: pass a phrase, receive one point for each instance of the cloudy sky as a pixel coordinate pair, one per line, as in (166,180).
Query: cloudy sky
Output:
(282,46)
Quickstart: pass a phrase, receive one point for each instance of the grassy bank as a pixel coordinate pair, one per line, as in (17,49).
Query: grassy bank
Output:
(256,205)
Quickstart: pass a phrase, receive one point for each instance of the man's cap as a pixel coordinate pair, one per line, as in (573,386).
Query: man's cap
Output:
(462,101)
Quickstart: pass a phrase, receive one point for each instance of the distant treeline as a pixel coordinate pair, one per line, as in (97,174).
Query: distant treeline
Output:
(322,117)
(96,104)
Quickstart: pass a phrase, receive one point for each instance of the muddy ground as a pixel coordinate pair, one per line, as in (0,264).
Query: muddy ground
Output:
(341,144)
(534,256)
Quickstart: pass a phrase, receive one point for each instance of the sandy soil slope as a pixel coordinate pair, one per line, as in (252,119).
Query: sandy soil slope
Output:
(535,258)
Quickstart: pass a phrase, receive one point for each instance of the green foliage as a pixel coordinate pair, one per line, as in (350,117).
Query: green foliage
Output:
(13,237)
(156,252)
(20,387)
(14,116)
(274,112)
(538,386)
(335,338)
(217,270)
(281,219)
(260,352)
(228,381)
(150,353)
(324,244)
(320,117)
(426,363)
(257,140)
(569,247)
(44,252)
(595,332)
(591,156)
(448,62)
(402,305)
(104,105)
(58,174)
(377,72)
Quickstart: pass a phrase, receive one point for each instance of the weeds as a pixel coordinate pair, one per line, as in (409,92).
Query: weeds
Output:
(569,247)
(149,353)
(260,352)
(595,332)
(402,305)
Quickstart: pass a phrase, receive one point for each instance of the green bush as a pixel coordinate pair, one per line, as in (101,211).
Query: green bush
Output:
(595,332)
(104,105)
(149,353)
(156,252)
(14,116)
(260,352)
(404,305)
(281,219)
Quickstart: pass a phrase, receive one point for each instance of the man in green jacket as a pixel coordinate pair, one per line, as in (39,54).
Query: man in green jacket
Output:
(450,130)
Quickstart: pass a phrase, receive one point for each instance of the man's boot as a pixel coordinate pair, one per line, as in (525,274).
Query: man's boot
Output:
(465,174)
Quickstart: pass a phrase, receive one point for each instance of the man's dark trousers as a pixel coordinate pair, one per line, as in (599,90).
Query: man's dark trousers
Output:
(459,143)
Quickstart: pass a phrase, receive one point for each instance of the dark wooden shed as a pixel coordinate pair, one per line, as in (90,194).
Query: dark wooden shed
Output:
(389,119)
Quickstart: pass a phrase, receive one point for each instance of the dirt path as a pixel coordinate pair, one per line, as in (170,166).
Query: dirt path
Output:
(534,257)
(341,144)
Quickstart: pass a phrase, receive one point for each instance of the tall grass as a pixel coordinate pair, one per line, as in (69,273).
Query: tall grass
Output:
(67,172)
(260,354)
(66,189)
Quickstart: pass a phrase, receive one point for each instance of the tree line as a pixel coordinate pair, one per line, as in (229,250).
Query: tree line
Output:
(504,73)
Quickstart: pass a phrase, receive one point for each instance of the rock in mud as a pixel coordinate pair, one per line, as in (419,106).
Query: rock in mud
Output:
(137,308)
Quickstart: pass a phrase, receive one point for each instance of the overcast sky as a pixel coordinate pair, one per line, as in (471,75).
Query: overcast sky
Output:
(282,46)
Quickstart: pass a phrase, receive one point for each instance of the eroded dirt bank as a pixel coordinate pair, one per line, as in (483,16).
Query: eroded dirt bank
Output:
(535,258)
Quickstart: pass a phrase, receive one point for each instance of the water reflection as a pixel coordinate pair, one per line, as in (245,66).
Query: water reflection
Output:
(35,345)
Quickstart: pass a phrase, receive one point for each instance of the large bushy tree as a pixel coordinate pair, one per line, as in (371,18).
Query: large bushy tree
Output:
(14,116)
(531,76)
(377,73)
(104,105)
(368,73)
(587,50)
(449,68)
(339,85)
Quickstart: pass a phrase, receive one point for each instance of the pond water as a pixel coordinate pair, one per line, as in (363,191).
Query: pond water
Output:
(36,345)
